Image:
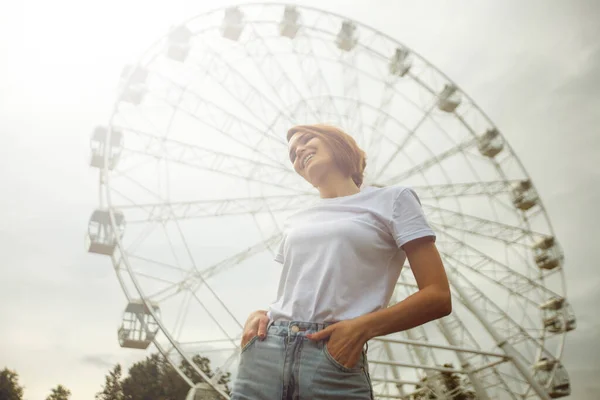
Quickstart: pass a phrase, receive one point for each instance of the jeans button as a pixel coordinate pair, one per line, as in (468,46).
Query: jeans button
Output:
(295,328)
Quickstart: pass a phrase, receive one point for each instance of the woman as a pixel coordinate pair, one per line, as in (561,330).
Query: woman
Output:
(341,260)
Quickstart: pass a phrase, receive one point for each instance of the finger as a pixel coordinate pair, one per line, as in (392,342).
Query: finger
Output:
(320,335)
(262,327)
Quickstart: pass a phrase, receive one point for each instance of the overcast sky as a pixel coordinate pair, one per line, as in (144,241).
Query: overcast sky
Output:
(533,66)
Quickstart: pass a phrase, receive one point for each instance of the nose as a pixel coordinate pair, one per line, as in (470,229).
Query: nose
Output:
(300,150)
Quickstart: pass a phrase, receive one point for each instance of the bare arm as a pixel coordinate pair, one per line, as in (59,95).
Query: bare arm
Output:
(431,302)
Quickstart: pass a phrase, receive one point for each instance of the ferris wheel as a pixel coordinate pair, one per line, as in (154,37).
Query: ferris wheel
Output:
(195,186)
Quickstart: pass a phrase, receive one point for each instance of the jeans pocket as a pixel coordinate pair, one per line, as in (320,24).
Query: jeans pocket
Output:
(247,345)
(336,363)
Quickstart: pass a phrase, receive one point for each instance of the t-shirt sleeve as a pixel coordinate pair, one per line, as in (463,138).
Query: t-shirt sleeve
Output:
(408,220)
(279,254)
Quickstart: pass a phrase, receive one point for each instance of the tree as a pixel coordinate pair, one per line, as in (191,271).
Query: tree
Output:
(146,379)
(59,393)
(204,364)
(9,385)
(154,378)
(453,386)
(113,388)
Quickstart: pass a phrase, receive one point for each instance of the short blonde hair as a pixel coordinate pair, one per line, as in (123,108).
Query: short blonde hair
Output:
(350,158)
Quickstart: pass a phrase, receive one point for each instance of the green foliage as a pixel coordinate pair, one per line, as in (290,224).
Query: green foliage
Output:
(113,388)
(9,385)
(59,393)
(154,378)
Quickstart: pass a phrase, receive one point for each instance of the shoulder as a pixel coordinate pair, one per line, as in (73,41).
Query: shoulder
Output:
(391,194)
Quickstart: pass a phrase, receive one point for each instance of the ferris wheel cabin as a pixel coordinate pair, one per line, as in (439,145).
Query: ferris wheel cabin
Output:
(347,38)
(558,316)
(101,237)
(524,195)
(179,43)
(138,328)
(547,253)
(449,98)
(133,84)
(99,146)
(553,375)
(233,23)
(289,24)
(490,143)
(400,63)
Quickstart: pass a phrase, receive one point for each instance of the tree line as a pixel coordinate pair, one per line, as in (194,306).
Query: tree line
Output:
(153,378)
(11,389)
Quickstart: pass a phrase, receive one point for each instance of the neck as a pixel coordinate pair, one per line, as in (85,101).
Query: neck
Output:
(337,186)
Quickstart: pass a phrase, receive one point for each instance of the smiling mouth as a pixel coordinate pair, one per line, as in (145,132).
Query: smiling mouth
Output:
(307,159)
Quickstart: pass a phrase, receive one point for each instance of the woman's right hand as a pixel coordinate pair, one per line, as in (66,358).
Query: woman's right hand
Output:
(256,324)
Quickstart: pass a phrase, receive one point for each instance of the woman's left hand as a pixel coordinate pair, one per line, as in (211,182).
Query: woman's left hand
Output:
(346,341)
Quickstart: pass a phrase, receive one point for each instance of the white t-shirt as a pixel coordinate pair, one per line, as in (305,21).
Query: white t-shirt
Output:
(341,257)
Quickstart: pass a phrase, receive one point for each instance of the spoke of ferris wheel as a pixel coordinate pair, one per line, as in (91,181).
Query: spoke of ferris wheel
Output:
(274,74)
(317,79)
(229,166)
(491,188)
(397,382)
(494,230)
(220,207)
(352,91)
(382,112)
(389,88)
(241,90)
(424,355)
(425,367)
(500,282)
(193,279)
(214,294)
(426,344)
(479,260)
(157,344)
(400,147)
(216,117)
(456,334)
(483,265)
(383,117)
(181,316)
(452,327)
(156,146)
(212,110)
(334,58)
(208,287)
(470,295)
(436,159)
(239,257)
(514,331)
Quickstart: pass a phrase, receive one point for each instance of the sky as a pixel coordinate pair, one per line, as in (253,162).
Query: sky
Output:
(533,67)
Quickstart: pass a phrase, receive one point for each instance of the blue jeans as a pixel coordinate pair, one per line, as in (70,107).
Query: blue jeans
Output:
(288,366)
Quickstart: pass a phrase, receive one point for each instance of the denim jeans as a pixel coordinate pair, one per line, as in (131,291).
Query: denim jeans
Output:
(286,365)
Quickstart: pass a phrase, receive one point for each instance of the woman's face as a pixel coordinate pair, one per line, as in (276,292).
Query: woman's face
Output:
(310,156)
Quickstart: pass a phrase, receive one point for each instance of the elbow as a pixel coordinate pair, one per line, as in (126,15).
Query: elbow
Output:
(445,304)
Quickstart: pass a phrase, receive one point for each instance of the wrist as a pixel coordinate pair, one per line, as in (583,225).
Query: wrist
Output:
(364,324)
